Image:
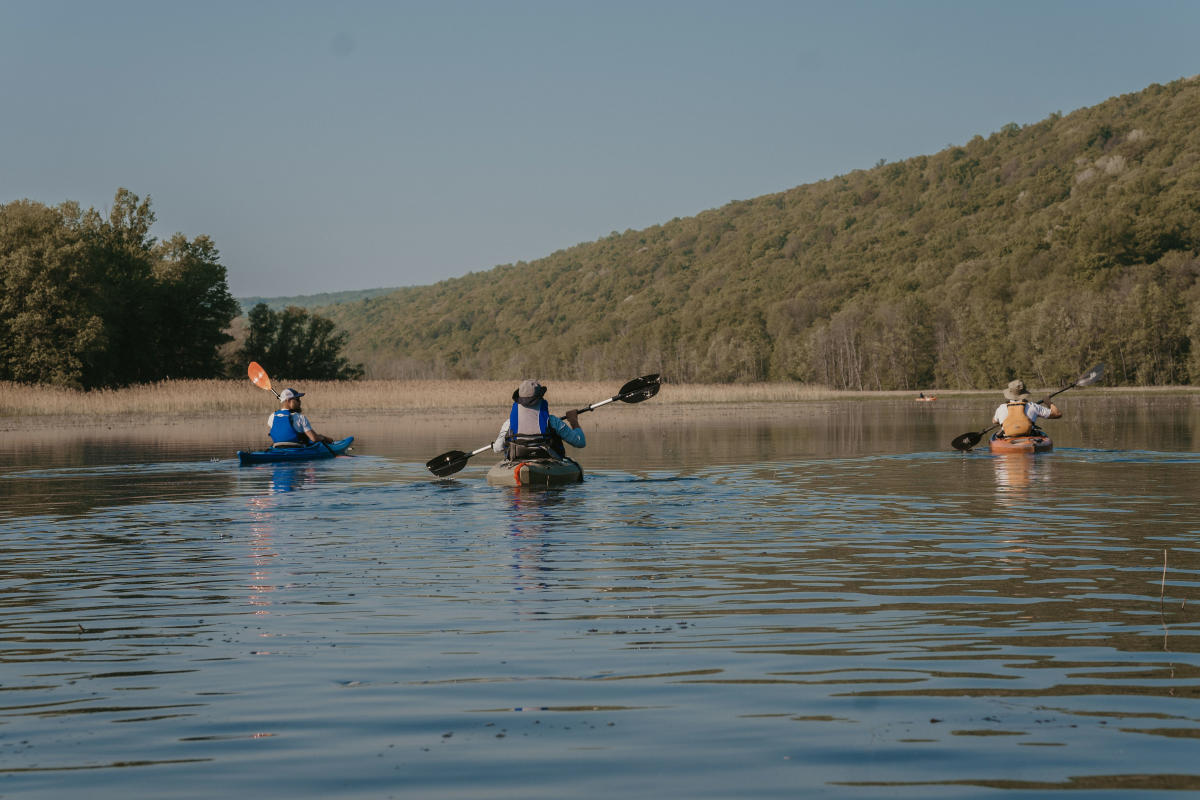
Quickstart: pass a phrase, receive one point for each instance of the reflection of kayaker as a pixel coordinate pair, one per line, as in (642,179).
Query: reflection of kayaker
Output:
(1017,419)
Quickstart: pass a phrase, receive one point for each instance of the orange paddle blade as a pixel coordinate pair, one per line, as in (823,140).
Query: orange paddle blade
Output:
(258,376)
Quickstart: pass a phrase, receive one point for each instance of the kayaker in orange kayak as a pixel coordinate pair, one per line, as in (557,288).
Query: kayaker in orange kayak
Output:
(1018,416)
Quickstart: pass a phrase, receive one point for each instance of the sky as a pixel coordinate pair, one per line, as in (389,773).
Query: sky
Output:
(355,145)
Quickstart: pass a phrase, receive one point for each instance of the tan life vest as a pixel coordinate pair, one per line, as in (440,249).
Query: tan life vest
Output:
(1016,422)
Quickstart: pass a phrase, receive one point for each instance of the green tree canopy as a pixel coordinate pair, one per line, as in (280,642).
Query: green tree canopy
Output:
(297,344)
(92,300)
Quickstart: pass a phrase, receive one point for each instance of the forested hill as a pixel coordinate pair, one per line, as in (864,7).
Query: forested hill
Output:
(1035,251)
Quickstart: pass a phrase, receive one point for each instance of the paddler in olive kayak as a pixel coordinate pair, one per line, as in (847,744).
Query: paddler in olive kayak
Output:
(531,431)
(289,426)
(1018,416)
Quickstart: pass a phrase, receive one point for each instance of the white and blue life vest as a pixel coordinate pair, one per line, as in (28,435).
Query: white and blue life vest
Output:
(526,421)
(529,431)
(281,428)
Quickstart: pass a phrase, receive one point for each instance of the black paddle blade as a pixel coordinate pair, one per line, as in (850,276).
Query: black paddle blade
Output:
(448,463)
(966,441)
(640,389)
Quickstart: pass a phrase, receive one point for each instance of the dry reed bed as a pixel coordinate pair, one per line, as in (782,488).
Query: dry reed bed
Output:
(209,396)
(217,396)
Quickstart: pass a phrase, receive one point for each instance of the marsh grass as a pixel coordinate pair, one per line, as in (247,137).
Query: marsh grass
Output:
(209,397)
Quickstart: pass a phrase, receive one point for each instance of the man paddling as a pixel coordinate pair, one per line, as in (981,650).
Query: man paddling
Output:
(288,426)
(1019,415)
(531,430)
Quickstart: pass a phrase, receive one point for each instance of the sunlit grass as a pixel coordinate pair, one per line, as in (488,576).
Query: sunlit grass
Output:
(217,396)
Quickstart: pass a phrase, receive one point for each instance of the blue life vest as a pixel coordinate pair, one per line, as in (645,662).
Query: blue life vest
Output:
(282,430)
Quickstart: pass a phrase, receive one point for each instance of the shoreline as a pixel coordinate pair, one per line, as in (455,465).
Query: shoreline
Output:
(438,403)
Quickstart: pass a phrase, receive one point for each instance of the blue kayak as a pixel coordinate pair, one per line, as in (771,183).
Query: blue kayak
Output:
(306,453)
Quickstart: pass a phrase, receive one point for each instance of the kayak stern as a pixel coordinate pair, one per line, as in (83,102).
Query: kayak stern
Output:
(535,472)
(1021,444)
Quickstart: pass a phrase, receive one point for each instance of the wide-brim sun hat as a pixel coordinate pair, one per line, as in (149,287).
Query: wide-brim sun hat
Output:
(1016,390)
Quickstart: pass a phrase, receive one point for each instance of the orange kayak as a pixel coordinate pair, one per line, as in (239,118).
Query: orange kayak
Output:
(1039,443)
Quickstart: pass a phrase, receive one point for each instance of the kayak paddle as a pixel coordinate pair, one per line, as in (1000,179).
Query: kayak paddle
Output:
(635,391)
(969,440)
(259,377)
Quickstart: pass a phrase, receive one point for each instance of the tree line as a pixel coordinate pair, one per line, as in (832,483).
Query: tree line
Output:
(1034,252)
(93,300)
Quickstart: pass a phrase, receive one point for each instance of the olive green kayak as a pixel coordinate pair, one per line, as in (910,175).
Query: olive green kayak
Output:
(535,472)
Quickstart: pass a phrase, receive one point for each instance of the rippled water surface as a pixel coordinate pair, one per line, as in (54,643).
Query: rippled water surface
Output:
(791,601)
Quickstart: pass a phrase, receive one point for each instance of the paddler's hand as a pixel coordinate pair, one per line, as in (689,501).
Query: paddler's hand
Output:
(572,418)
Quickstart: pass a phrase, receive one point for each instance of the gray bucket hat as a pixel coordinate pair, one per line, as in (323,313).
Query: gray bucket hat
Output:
(1016,390)
(529,390)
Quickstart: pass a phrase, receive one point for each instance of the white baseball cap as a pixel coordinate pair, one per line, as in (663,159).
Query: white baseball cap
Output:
(289,394)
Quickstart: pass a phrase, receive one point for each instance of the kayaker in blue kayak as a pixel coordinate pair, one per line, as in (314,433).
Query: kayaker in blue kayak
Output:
(289,426)
(531,430)
(1019,415)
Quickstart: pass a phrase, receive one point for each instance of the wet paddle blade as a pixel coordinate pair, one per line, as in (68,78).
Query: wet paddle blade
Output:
(258,376)
(640,389)
(1091,376)
(447,463)
(966,441)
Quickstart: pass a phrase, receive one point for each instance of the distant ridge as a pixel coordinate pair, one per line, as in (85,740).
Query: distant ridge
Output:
(311,301)
(1036,251)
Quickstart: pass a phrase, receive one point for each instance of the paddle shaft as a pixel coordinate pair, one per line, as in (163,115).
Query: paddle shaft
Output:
(594,406)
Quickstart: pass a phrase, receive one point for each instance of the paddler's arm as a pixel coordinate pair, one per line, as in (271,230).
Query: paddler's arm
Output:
(301,421)
(1048,411)
(569,429)
(498,445)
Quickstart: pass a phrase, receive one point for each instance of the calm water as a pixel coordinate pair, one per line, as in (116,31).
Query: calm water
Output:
(812,601)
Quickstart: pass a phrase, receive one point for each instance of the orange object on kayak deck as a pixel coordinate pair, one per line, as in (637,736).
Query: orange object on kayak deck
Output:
(1039,443)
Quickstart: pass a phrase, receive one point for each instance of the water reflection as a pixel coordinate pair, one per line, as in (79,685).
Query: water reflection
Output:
(782,606)
(290,477)
(532,519)
(1018,475)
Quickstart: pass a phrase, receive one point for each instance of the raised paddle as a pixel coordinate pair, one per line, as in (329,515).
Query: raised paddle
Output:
(259,377)
(635,391)
(969,440)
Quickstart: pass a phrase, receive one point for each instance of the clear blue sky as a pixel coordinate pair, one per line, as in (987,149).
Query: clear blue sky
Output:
(328,146)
